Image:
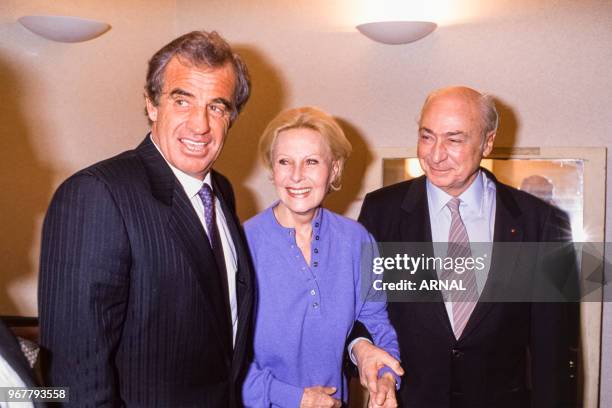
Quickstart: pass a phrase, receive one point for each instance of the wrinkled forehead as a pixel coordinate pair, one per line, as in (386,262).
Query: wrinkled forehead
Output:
(452,113)
(182,66)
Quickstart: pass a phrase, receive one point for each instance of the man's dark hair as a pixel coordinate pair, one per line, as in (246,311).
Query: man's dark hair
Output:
(199,48)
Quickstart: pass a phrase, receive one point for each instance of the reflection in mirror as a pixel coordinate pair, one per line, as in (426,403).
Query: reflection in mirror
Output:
(557,181)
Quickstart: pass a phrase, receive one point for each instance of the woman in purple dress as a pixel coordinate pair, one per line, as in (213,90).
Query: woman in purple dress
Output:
(309,262)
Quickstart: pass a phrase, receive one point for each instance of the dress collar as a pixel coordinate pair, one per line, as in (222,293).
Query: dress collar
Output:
(317,222)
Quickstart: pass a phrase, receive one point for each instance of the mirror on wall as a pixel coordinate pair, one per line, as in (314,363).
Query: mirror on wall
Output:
(557,181)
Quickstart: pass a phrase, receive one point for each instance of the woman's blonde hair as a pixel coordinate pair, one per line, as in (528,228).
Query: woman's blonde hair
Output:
(307,117)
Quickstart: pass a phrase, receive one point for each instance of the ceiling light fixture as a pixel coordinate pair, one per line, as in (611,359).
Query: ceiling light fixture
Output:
(64,28)
(396,32)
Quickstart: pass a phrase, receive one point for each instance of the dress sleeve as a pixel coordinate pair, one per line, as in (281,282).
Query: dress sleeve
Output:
(261,389)
(372,306)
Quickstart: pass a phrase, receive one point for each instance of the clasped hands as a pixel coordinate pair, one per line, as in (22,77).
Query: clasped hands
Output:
(370,359)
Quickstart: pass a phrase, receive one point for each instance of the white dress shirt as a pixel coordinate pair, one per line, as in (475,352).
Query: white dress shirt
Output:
(477,210)
(9,378)
(192,186)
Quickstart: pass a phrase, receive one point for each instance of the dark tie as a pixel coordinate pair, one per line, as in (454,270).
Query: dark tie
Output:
(208,199)
(464,301)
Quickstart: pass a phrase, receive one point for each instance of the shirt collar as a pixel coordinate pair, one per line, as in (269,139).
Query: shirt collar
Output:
(190,184)
(471,199)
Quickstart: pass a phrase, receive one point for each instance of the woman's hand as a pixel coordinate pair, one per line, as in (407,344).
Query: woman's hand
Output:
(319,397)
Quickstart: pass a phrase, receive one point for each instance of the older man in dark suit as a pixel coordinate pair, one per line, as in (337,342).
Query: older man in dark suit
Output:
(145,291)
(502,339)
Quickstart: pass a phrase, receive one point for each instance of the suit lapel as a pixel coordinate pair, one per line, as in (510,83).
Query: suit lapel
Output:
(508,229)
(416,228)
(243,281)
(187,231)
(415,225)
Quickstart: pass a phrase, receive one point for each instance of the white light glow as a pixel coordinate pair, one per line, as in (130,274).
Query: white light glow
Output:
(412,168)
(579,234)
(438,11)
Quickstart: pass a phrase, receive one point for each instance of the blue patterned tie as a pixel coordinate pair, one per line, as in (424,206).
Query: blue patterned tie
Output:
(208,199)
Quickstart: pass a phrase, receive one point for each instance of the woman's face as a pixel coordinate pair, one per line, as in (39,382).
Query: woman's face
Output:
(302,170)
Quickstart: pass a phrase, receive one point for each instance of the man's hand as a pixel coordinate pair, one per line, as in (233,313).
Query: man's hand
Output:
(370,359)
(319,397)
(385,395)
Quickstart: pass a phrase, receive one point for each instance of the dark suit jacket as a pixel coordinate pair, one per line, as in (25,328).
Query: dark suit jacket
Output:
(132,310)
(11,351)
(488,365)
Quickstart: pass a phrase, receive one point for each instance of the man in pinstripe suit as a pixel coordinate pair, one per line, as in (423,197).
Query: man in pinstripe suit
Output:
(145,291)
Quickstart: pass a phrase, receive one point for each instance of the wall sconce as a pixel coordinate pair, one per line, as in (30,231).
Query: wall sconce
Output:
(64,28)
(396,32)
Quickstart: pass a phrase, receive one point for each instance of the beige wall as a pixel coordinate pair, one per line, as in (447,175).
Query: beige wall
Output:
(63,106)
(547,61)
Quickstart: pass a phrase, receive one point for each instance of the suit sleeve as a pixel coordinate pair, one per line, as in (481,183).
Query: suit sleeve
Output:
(83,290)
(555,321)
(372,310)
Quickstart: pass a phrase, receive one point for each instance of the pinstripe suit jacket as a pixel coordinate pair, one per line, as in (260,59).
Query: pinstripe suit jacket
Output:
(132,311)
